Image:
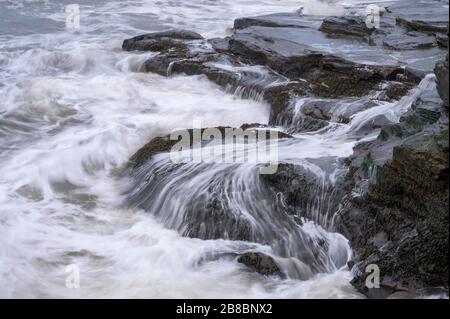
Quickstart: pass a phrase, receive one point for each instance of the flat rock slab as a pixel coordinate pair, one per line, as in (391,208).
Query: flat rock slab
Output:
(348,26)
(416,30)
(355,46)
(418,15)
(159,41)
(409,41)
(290,42)
(278,20)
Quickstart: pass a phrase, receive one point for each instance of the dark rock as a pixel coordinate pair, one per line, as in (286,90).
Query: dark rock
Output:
(160,41)
(281,97)
(424,16)
(260,263)
(183,57)
(174,34)
(217,68)
(412,75)
(297,185)
(411,123)
(173,47)
(397,90)
(154,45)
(164,144)
(401,182)
(335,110)
(441,71)
(393,204)
(317,113)
(159,64)
(300,114)
(423,26)
(319,109)
(442,40)
(330,76)
(409,41)
(346,26)
(278,20)
(300,187)
(417,47)
(154,147)
(261,127)
(219,44)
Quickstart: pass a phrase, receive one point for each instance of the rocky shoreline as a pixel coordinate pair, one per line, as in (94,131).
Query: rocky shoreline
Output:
(392,202)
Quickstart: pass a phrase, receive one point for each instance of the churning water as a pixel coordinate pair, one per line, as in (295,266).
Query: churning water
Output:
(74,108)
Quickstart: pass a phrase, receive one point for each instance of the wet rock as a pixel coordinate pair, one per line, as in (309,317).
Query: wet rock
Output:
(354,26)
(426,112)
(334,110)
(206,58)
(442,40)
(154,147)
(219,44)
(441,71)
(299,188)
(411,122)
(409,41)
(295,121)
(164,144)
(369,127)
(412,192)
(266,128)
(154,45)
(281,97)
(412,75)
(308,114)
(329,75)
(260,263)
(184,52)
(424,16)
(160,41)
(352,107)
(278,20)
(319,109)
(173,46)
(296,184)
(294,107)
(429,25)
(337,80)
(399,30)
(397,215)
(159,64)
(397,90)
